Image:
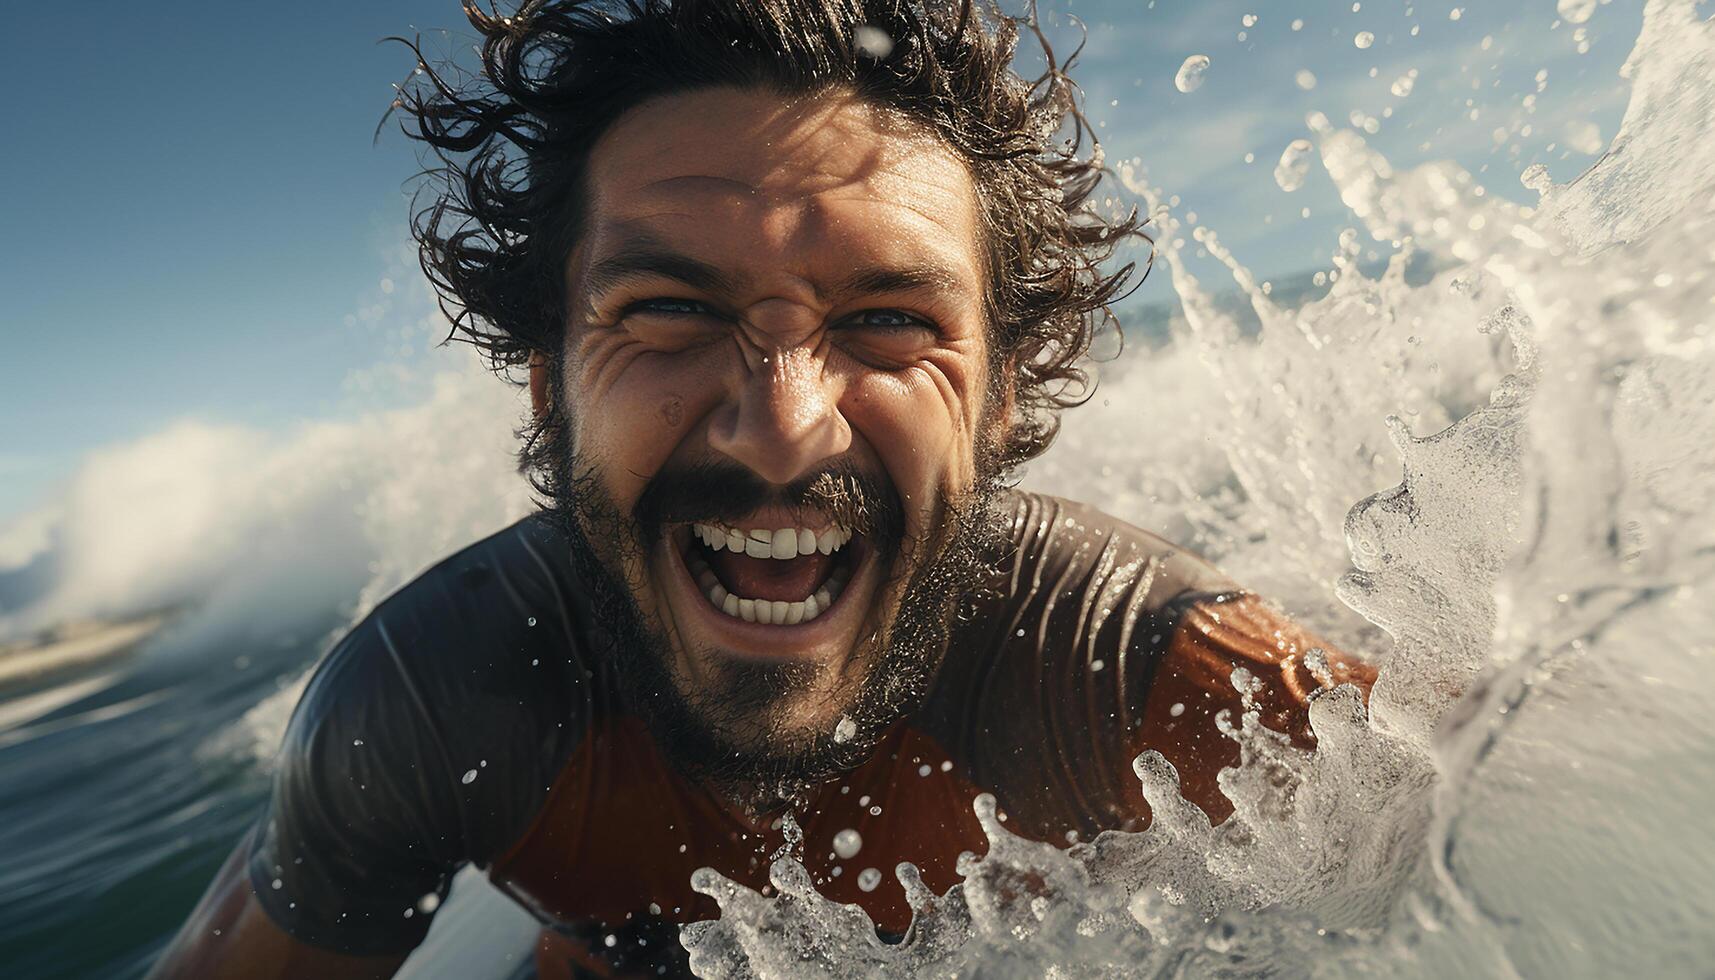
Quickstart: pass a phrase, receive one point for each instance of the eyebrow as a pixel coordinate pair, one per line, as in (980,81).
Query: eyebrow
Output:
(886,280)
(645,259)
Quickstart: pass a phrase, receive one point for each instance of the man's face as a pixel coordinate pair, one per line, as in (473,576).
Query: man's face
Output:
(774,375)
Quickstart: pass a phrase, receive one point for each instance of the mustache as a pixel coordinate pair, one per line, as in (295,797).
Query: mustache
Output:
(719,492)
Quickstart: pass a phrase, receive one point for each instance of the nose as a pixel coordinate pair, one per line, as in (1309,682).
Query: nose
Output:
(785,418)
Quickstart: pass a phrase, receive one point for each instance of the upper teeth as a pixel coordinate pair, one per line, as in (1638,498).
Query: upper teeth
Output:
(785,542)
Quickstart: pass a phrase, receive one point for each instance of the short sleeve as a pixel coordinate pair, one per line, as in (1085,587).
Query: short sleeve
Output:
(360,831)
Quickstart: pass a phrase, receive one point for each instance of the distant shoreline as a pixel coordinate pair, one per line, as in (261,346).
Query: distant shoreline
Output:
(74,647)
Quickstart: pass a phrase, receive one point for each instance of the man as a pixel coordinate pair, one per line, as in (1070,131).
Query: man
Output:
(797,283)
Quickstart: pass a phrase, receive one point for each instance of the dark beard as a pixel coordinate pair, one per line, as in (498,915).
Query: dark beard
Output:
(900,658)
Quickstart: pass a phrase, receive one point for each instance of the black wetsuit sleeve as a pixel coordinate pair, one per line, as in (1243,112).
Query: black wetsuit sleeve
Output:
(357,831)
(426,739)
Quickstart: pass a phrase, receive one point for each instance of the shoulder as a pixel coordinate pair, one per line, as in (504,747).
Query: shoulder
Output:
(1046,677)
(1074,619)
(426,738)
(495,621)
(509,589)
(474,666)
(1103,641)
(1075,586)
(1062,541)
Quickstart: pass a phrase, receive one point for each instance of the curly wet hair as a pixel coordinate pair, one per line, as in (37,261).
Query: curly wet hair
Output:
(510,145)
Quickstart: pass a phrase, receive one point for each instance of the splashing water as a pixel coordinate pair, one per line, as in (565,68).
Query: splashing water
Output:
(1527,791)
(1294,165)
(1190,75)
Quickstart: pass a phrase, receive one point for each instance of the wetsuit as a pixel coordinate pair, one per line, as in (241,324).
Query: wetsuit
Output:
(469,719)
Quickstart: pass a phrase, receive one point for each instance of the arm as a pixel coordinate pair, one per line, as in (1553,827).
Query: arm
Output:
(229,935)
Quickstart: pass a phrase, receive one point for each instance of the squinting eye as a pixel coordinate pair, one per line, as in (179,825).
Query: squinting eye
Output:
(669,306)
(886,319)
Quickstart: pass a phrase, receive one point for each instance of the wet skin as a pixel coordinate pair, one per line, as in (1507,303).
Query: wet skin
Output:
(777,285)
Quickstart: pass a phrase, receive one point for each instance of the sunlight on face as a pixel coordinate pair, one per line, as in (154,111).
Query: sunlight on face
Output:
(775,289)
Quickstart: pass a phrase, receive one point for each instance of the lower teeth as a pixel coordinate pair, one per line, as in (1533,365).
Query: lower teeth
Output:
(774,612)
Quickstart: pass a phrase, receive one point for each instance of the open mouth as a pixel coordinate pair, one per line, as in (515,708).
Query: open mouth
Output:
(783,576)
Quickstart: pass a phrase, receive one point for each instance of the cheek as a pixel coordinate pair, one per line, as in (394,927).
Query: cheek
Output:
(631,409)
(921,423)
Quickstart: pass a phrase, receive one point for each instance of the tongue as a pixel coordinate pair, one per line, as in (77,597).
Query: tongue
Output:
(788,579)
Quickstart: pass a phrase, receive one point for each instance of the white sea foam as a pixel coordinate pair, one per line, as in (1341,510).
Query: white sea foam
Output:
(253,525)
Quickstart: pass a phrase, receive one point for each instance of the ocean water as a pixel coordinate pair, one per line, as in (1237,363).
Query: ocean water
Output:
(1490,464)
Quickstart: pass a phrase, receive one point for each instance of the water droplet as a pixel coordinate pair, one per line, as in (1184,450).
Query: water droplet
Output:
(1363,39)
(1190,75)
(1305,78)
(530,622)
(1294,165)
(845,731)
(469,777)
(847,843)
(1576,11)
(868,879)
(872,42)
(1403,85)
(1249,20)
(357,741)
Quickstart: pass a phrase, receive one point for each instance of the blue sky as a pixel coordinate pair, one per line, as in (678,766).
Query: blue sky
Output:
(197,224)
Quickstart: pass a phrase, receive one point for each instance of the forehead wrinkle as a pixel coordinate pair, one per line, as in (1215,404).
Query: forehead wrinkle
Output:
(822,204)
(808,179)
(669,185)
(790,177)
